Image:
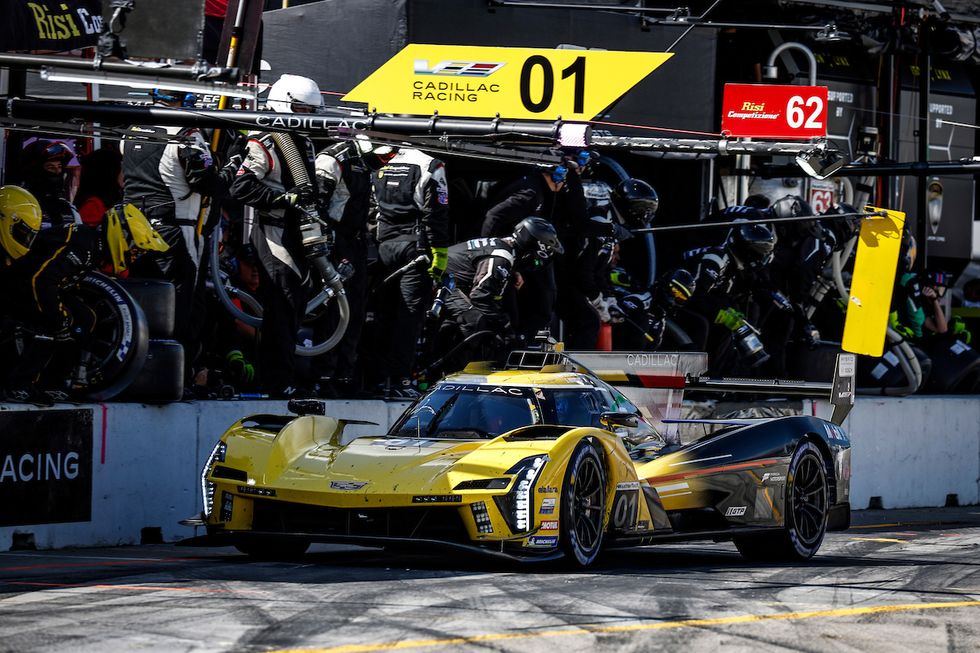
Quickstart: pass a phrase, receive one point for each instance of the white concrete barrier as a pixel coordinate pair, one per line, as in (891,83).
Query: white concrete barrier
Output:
(913,451)
(146,463)
(146,460)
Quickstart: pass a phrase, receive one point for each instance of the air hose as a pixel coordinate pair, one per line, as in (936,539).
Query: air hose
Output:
(315,242)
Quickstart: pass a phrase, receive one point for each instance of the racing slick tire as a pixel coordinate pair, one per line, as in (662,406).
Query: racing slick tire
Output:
(272,548)
(583,506)
(161,379)
(806,509)
(113,355)
(158,300)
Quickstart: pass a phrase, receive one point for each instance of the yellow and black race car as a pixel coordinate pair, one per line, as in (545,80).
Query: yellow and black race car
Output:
(540,460)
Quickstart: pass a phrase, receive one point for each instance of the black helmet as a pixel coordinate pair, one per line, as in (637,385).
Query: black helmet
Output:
(794,206)
(790,206)
(636,201)
(679,286)
(536,240)
(843,228)
(751,245)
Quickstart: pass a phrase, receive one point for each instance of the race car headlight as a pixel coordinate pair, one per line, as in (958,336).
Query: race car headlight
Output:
(207,487)
(516,506)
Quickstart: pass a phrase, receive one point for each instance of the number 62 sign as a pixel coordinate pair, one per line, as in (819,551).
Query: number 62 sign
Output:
(774,111)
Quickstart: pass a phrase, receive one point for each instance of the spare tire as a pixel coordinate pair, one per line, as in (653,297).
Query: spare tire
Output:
(113,354)
(162,377)
(158,299)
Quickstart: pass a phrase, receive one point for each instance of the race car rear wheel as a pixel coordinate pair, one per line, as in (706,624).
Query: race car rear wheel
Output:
(272,548)
(583,505)
(807,507)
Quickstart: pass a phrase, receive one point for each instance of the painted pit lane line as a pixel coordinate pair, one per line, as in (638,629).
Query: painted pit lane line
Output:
(664,625)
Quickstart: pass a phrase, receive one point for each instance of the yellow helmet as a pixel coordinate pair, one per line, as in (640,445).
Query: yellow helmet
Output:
(20,220)
(129,234)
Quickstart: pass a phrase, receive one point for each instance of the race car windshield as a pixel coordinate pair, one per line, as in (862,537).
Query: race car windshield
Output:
(453,410)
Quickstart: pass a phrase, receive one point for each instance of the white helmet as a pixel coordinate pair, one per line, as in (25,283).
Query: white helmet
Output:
(366,146)
(294,89)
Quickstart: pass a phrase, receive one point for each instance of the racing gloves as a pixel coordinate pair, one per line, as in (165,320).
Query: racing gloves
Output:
(239,368)
(440,259)
(293,197)
(730,318)
(607,309)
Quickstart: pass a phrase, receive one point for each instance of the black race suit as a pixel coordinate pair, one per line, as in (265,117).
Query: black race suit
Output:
(413,201)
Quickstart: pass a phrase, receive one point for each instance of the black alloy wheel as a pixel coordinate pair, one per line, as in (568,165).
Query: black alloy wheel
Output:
(583,505)
(809,502)
(108,359)
(807,507)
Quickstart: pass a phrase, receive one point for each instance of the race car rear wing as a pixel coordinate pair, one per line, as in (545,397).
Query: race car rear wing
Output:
(686,370)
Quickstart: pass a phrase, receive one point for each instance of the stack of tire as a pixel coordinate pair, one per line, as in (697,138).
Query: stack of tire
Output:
(161,378)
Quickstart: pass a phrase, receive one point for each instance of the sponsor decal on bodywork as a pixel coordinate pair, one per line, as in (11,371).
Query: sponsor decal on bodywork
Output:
(347,486)
(549,525)
(543,541)
(547,506)
(401,443)
(437,498)
(735,511)
(256,491)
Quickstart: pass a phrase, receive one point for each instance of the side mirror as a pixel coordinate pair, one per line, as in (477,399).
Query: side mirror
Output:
(306,407)
(612,420)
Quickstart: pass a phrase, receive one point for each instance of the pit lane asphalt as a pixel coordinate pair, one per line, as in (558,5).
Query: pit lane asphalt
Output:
(898,581)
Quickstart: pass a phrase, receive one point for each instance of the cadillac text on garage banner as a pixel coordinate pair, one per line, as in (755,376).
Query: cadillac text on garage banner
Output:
(45,467)
(521,83)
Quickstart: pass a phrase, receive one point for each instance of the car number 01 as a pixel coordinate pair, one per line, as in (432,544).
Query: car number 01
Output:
(576,70)
(795,115)
(624,509)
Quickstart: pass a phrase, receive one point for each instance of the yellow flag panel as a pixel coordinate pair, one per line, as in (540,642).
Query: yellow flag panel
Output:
(520,83)
(872,283)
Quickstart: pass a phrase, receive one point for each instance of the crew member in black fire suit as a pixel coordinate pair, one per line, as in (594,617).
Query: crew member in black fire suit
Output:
(483,269)
(584,299)
(43,171)
(723,273)
(413,224)
(42,285)
(167,182)
(277,178)
(646,312)
(343,173)
(534,194)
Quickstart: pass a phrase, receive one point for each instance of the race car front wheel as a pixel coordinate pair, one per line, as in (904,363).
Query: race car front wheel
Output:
(583,505)
(807,508)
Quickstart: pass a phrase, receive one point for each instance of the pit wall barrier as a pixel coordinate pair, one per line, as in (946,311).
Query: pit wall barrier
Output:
(140,472)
